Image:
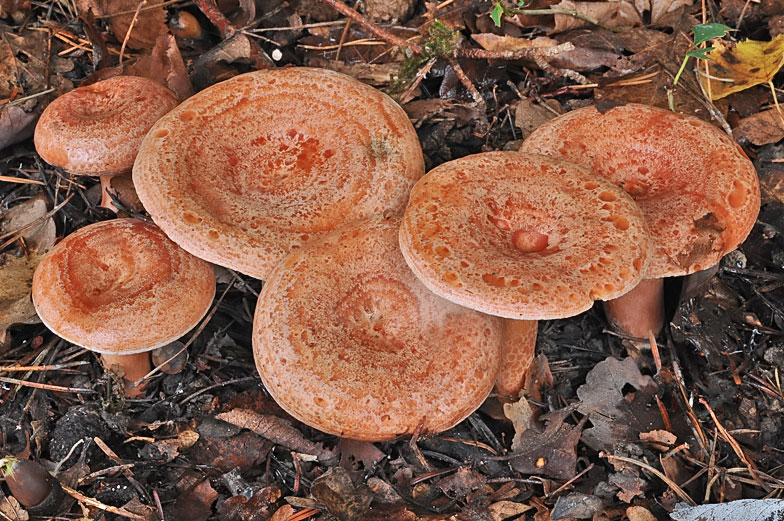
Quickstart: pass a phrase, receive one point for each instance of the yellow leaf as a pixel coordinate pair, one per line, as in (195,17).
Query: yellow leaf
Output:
(736,68)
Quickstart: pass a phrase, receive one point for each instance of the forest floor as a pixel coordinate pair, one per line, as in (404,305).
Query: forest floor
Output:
(607,430)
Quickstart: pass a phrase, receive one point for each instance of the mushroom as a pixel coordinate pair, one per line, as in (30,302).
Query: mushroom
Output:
(348,341)
(252,168)
(523,236)
(121,288)
(698,190)
(97,129)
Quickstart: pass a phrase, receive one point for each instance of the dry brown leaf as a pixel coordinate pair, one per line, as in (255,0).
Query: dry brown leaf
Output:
(551,452)
(501,510)
(638,513)
(530,115)
(16,271)
(611,13)
(663,11)
(661,437)
(521,415)
(26,69)
(277,430)
(150,23)
(165,65)
(341,498)
(616,417)
(283,513)
(761,128)
(196,497)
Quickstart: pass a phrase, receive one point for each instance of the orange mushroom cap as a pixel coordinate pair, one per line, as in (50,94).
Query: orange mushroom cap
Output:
(347,340)
(250,169)
(696,187)
(97,129)
(523,236)
(121,287)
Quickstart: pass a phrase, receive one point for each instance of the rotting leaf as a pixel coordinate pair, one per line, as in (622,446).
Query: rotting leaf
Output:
(617,416)
(150,22)
(196,497)
(761,128)
(277,430)
(501,510)
(341,498)
(734,68)
(611,14)
(551,452)
(16,268)
(461,483)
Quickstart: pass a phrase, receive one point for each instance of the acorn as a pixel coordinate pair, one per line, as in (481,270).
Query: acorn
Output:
(32,485)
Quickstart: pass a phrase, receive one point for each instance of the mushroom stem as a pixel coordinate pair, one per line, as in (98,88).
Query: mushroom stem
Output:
(517,353)
(133,366)
(640,311)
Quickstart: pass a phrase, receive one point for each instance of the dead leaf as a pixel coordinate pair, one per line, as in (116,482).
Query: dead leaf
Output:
(611,13)
(164,65)
(630,485)
(340,497)
(11,509)
(576,505)
(255,508)
(638,513)
(617,417)
(277,430)
(664,439)
(150,23)
(27,68)
(501,510)
(196,497)
(736,67)
(243,451)
(16,268)
(551,452)
(283,513)
(353,452)
(521,415)
(461,483)
(530,115)
(761,128)
(663,11)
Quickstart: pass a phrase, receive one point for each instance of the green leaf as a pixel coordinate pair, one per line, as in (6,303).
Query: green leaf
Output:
(706,32)
(520,3)
(497,13)
(702,54)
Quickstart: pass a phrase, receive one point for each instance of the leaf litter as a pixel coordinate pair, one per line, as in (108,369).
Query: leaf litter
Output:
(600,432)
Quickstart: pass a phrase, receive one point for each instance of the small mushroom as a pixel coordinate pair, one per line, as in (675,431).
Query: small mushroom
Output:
(348,341)
(121,288)
(248,170)
(698,190)
(97,129)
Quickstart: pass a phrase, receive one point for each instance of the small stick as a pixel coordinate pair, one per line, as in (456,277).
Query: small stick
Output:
(130,29)
(670,483)
(475,94)
(369,26)
(46,387)
(97,504)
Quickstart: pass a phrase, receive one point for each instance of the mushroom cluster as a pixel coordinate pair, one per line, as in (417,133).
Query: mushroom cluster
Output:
(394,300)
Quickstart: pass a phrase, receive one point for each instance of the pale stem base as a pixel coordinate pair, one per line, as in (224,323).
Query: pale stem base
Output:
(134,367)
(640,311)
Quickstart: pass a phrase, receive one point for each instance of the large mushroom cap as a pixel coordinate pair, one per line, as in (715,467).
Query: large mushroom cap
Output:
(251,168)
(121,287)
(523,236)
(97,129)
(347,340)
(696,187)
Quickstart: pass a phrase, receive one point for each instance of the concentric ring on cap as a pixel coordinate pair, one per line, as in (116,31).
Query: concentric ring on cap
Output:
(523,236)
(97,129)
(252,168)
(347,340)
(121,287)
